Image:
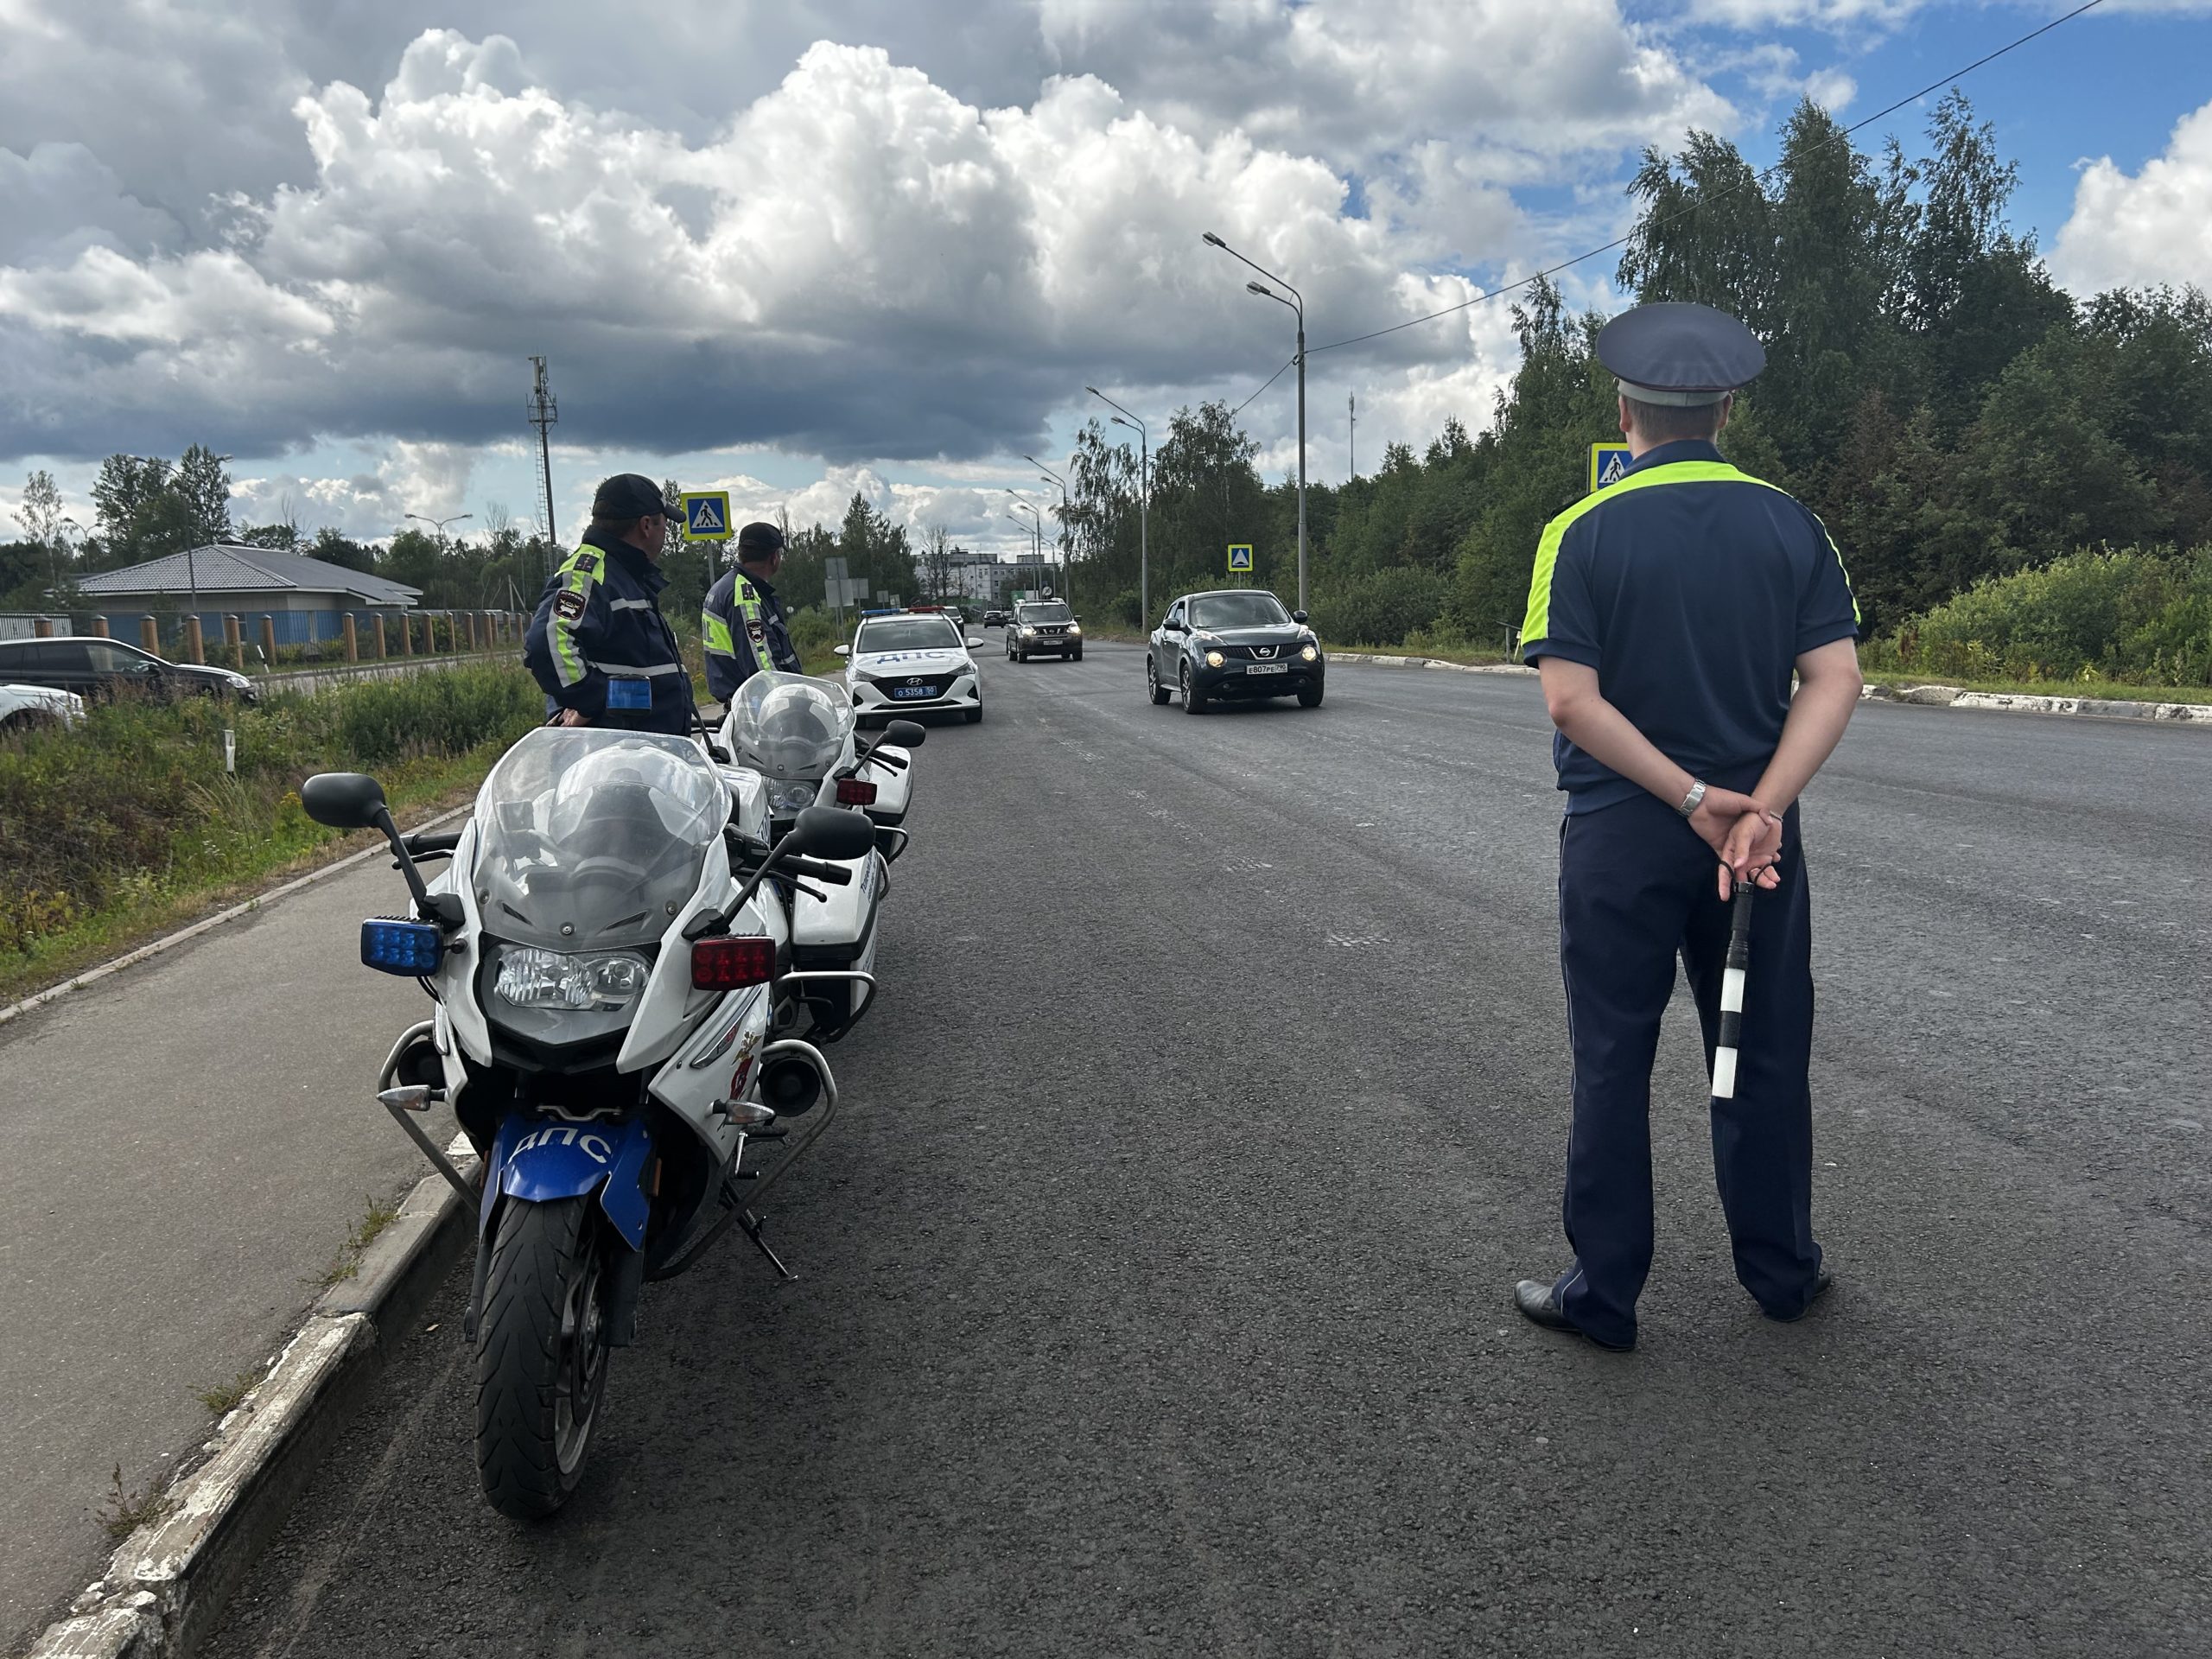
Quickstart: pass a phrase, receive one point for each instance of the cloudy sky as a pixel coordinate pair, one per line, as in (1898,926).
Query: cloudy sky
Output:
(802,247)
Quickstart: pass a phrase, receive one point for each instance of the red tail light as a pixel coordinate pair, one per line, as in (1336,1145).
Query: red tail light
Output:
(727,964)
(856,792)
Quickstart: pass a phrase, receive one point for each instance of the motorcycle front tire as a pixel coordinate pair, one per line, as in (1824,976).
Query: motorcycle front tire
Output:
(540,1354)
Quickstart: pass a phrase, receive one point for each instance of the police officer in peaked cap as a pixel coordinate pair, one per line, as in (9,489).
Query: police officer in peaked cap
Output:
(598,645)
(1668,613)
(742,620)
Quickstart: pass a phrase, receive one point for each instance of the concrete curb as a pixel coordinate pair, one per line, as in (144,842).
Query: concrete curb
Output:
(1953,696)
(1381,659)
(165,1586)
(1935,696)
(208,924)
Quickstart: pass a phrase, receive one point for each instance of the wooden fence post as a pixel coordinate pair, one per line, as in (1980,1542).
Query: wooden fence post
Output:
(99,627)
(381,652)
(269,639)
(352,639)
(195,644)
(149,636)
(234,640)
(42,629)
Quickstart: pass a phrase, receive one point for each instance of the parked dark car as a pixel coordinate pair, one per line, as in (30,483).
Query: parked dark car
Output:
(93,667)
(1044,627)
(1237,643)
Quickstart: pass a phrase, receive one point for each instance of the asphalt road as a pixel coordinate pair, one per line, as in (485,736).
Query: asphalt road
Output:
(186,1143)
(1154,1294)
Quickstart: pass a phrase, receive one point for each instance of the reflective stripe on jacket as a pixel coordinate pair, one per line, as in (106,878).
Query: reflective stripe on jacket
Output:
(744,630)
(599,645)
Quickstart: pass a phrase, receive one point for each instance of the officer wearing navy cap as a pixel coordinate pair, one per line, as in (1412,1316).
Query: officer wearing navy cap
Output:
(599,645)
(1669,612)
(743,621)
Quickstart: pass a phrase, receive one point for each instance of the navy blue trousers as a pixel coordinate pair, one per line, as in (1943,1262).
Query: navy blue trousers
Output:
(1635,889)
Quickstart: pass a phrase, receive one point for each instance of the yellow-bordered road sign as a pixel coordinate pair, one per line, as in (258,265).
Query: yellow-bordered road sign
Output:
(706,515)
(1608,461)
(1240,558)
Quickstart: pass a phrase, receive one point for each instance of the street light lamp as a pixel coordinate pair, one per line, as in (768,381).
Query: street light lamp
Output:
(1067,588)
(1036,521)
(439,524)
(1144,504)
(1297,304)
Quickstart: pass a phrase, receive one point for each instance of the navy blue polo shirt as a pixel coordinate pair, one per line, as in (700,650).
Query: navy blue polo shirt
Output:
(1692,588)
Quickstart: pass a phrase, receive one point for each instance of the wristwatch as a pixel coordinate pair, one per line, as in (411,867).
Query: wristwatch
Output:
(1690,801)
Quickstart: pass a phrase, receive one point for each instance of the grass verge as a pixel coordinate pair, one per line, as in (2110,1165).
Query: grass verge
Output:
(346,1264)
(225,1396)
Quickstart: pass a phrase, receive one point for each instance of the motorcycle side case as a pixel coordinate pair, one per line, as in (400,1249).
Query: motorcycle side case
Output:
(894,786)
(842,919)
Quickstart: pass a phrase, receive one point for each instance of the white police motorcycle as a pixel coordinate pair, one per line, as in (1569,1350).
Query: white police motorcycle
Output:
(798,733)
(613,969)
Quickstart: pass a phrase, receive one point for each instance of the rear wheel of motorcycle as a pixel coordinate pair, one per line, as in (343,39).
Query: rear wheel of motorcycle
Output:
(540,1355)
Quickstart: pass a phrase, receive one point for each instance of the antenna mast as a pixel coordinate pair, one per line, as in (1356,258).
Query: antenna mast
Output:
(544,410)
(1351,433)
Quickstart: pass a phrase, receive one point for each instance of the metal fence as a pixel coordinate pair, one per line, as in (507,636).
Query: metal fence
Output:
(274,641)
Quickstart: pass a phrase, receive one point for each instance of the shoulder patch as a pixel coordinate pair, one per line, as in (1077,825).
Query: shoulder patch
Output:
(570,607)
(758,629)
(586,562)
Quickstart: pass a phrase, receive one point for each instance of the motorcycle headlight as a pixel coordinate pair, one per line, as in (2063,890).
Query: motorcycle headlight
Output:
(1214,659)
(533,978)
(1311,654)
(789,794)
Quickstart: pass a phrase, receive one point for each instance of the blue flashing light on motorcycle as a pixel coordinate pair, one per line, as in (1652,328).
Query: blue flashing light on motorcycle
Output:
(410,948)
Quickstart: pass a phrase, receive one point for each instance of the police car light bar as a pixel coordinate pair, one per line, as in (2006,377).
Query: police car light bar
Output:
(405,948)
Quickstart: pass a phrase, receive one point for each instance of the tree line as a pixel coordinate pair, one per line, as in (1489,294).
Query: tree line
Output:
(1949,413)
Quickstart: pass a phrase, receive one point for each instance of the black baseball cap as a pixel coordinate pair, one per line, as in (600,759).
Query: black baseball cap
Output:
(633,495)
(761,537)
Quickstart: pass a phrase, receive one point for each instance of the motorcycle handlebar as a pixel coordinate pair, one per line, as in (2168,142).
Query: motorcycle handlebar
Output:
(836,874)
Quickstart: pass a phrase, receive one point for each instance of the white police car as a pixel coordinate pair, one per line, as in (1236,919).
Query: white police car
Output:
(906,662)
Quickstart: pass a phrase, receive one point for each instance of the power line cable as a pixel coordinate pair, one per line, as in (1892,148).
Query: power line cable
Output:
(1264,384)
(1757,178)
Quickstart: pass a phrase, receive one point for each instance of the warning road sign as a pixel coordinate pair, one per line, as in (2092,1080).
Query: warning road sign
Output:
(1608,461)
(706,515)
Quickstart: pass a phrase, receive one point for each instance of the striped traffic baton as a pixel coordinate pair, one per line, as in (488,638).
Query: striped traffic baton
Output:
(1731,994)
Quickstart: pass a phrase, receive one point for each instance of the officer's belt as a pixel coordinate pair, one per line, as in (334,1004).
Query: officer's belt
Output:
(646,672)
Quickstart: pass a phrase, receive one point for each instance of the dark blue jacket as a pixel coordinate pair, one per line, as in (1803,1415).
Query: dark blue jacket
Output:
(599,645)
(743,625)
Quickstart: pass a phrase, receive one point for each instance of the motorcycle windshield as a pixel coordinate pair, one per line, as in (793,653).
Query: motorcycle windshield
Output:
(788,726)
(592,839)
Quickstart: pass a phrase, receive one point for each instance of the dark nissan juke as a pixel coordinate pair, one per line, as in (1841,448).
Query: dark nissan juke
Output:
(1239,643)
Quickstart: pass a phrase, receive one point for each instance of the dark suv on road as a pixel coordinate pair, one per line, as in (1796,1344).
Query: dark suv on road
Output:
(93,667)
(1044,627)
(1238,643)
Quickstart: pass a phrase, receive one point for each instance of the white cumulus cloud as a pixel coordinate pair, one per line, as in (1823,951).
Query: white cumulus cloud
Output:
(2155,226)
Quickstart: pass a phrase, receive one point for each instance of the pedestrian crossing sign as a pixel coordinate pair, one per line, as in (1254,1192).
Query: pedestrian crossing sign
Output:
(1608,461)
(1240,558)
(706,515)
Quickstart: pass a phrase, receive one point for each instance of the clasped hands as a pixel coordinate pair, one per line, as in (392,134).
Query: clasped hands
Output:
(1744,833)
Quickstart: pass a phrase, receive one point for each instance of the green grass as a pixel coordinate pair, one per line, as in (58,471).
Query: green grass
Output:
(225,1396)
(346,1264)
(128,826)
(125,1512)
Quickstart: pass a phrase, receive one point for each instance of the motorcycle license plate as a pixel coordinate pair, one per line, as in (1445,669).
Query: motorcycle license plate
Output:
(913,691)
(1266,668)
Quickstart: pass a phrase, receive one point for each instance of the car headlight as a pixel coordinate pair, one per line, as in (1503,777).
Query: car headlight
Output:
(790,795)
(1026,630)
(1075,627)
(1214,659)
(533,978)
(1311,654)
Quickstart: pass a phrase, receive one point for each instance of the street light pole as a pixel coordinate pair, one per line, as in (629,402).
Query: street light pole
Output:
(1144,504)
(439,524)
(1297,302)
(1036,521)
(1067,588)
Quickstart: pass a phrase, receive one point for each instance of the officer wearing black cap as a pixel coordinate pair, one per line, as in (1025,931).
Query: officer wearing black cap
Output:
(743,621)
(599,644)
(1669,612)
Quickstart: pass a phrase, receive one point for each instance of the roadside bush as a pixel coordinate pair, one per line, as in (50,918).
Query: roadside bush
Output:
(133,807)
(1381,609)
(2136,615)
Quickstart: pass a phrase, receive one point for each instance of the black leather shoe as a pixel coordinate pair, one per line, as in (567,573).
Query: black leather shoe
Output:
(1539,1307)
(1821,1281)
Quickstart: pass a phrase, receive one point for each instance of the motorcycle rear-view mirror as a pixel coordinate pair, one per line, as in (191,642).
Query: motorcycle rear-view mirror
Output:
(831,832)
(907,733)
(344,800)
